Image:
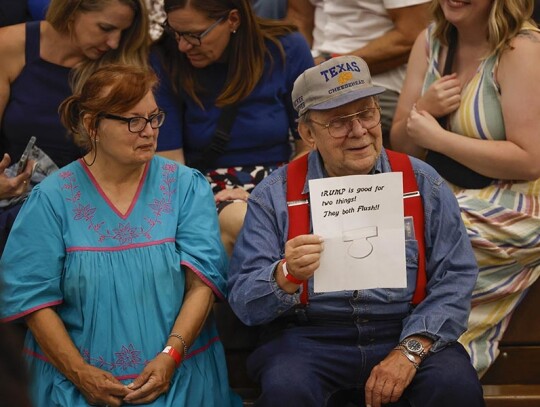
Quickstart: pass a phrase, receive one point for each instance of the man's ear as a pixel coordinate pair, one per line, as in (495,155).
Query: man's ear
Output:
(306,133)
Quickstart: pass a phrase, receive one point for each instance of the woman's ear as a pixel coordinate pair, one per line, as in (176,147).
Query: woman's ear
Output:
(234,20)
(90,126)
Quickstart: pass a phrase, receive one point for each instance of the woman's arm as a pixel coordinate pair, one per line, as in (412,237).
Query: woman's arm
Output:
(410,93)
(96,385)
(517,157)
(156,376)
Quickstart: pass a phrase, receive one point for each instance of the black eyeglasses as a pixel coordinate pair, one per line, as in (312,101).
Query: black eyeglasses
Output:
(193,39)
(137,124)
(340,127)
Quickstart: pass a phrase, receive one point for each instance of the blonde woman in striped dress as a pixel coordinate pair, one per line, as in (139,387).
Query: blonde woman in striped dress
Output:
(478,120)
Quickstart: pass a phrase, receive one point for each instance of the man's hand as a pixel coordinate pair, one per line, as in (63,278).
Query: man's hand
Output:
(153,381)
(302,254)
(389,379)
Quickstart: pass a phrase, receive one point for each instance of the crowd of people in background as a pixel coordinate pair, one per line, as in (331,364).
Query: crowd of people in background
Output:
(157,137)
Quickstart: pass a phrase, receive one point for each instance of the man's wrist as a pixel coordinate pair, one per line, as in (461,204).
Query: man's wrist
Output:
(289,276)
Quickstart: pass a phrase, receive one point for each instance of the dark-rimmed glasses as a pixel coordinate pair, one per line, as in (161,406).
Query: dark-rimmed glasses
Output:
(341,126)
(137,124)
(193,39)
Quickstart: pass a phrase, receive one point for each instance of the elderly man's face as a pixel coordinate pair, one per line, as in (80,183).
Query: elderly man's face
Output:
(357,151)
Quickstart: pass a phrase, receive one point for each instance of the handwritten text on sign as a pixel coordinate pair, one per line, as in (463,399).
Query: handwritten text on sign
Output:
(360,218)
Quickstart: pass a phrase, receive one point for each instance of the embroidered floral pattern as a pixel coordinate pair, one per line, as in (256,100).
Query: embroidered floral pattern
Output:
(126,358)
(123,233)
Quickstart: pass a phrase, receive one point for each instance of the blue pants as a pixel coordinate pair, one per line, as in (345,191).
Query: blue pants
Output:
(329,365)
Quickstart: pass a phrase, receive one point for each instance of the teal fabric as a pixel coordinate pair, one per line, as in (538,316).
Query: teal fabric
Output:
(116,279)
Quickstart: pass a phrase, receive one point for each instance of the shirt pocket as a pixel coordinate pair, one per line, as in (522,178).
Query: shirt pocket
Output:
(411,262)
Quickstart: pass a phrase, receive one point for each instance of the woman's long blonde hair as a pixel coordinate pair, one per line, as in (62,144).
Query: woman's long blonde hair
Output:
(506,20)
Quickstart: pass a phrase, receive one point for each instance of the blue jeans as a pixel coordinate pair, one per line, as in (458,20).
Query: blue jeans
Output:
(328,366)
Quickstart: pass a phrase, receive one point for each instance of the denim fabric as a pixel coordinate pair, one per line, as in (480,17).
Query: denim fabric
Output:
(315,366)
(450,265)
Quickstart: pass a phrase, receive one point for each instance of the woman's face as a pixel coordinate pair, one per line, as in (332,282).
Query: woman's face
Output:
(115,143)
(213,47)
(462,12)
(97,32)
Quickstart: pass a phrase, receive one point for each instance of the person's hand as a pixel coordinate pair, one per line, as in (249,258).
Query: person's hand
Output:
(302,254)
(423,129)
(389,379)
(153,381)
(231,194)
(100,387)
(15,186)
(442,97)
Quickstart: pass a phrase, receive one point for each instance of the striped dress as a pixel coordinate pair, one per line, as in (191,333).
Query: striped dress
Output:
(502,219)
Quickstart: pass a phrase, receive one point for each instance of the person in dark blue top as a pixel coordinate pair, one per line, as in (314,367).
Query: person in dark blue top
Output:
(38,59)
(216,55)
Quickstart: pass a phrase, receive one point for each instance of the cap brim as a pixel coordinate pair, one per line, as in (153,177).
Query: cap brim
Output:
(348,97)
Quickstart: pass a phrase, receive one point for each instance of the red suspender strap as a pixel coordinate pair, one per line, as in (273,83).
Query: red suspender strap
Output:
(298,206)
(413,206)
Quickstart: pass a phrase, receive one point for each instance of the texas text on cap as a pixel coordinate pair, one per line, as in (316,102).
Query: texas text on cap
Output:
(333,83)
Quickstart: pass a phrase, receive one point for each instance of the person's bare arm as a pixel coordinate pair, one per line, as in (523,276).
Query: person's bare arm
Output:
(156,376)
(97,386)
(302,14)
(517,157)
(392,48)
(410,93)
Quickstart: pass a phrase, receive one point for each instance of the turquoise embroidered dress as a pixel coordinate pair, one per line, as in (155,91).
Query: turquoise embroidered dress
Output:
(117,280)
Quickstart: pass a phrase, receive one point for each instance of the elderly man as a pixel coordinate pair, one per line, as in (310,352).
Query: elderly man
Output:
(376,346)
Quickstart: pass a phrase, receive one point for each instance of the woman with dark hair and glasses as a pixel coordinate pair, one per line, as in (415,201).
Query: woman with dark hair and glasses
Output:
(227,77)
(117,292)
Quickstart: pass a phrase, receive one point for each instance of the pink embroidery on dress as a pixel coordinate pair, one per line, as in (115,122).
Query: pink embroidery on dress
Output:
(127,358)
(124,233)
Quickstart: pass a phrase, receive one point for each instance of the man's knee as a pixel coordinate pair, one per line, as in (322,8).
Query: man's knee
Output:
(447,378)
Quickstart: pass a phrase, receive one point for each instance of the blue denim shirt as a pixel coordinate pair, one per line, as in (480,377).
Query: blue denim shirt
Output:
(450,264)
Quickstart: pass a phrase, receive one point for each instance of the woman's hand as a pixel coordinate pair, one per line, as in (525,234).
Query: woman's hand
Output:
(442,97)
(100,387)
(231,194)
(15,186)
(424,130)
(153,381)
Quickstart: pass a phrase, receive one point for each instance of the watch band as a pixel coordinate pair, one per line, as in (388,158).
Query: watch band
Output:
(289,276)
(177,356)
(410,357)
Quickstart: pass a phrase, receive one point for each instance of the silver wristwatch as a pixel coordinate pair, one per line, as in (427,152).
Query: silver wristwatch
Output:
(415,347)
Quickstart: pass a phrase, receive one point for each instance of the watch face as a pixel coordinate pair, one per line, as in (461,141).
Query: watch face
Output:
(414,346)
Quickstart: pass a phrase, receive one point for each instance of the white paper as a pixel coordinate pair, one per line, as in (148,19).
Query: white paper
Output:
(360,218)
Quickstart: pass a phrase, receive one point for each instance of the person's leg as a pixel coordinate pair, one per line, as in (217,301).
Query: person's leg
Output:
(446,379)
(231,219)
(304,366)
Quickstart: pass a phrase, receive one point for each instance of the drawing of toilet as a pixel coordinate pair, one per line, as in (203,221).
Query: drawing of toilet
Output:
(360,247)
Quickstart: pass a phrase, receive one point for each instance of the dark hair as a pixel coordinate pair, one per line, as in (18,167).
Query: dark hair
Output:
(112,89)
(247,50)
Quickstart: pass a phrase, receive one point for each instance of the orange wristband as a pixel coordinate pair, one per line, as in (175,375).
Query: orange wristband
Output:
(173,353)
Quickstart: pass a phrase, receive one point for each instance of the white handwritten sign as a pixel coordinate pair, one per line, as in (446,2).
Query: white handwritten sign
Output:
(360,218)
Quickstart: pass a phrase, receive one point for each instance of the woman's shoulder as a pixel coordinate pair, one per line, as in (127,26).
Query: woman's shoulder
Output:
(293,40)
(12,49)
